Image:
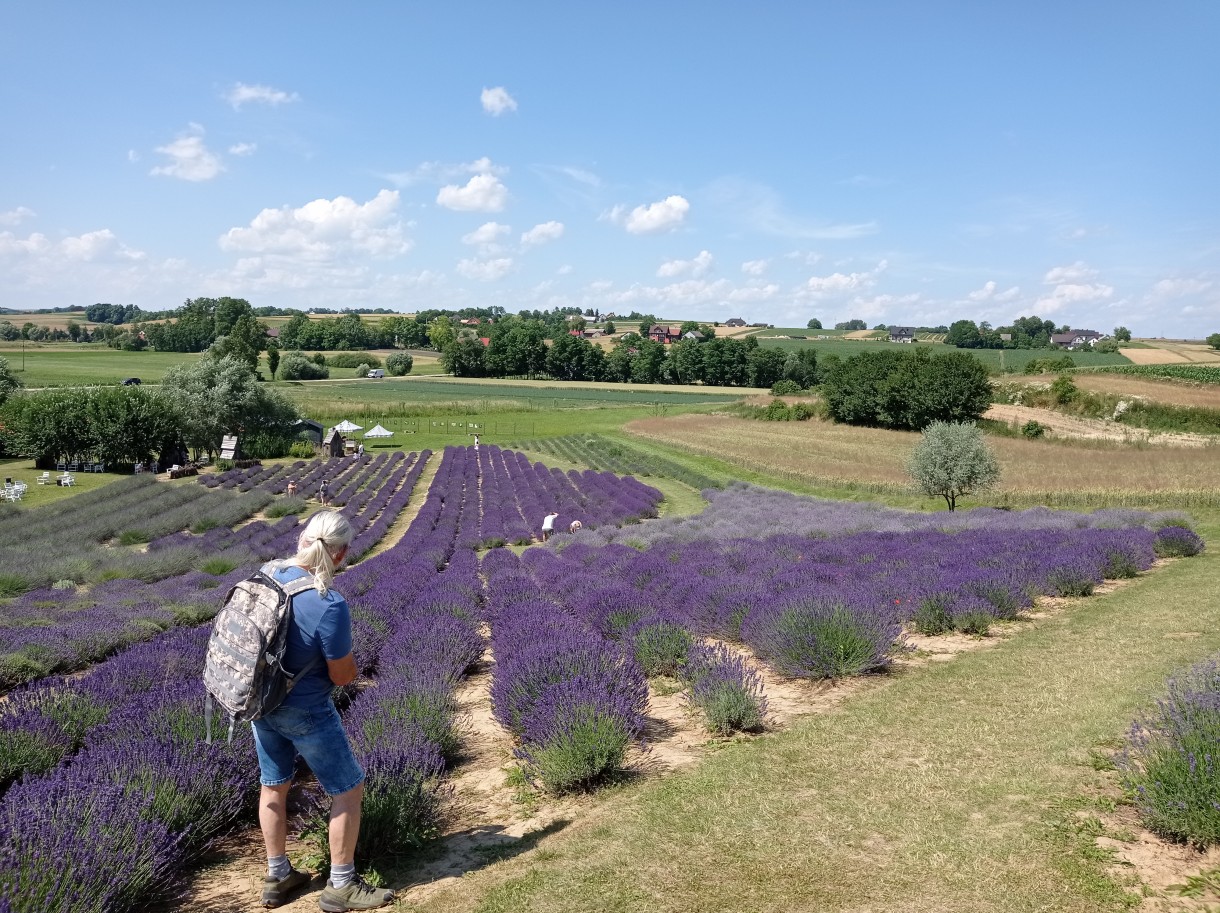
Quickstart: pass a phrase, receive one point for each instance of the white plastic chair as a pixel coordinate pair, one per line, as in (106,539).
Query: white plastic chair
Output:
(44,478)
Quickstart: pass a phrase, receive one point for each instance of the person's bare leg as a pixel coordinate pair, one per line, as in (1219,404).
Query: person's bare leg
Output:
(273,818)
(345,825)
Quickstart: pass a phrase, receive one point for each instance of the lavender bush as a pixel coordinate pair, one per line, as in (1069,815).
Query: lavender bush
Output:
(725,689)
(1171,764)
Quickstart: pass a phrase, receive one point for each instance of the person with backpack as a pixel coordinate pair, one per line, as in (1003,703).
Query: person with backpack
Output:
(319,654)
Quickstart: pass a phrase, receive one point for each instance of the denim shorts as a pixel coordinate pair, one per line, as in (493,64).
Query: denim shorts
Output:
(316,734)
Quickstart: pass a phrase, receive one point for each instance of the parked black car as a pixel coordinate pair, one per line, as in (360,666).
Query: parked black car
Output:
(132,382)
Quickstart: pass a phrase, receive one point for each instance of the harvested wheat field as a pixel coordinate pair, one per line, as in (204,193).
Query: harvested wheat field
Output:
(820,451)
(1166,352)
(1093,429)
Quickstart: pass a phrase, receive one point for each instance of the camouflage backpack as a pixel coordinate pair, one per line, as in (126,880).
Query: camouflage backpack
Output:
(244,670)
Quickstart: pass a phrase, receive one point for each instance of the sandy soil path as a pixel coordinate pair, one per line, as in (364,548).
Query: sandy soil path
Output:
(1092,429)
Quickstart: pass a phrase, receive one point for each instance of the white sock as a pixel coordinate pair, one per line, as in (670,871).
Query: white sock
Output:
(278,867)
(342,875)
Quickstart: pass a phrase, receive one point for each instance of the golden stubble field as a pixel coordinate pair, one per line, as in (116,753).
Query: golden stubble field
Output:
(821,451)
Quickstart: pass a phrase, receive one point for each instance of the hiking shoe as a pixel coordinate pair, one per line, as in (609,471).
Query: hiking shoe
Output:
(276,893)
(355,895)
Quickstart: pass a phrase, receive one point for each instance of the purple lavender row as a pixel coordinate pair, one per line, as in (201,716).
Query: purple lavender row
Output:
(792,597)
(744,510)
(149,795)
(574,700)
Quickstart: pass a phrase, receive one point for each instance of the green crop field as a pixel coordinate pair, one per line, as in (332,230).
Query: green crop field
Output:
(72,365)
(999,360)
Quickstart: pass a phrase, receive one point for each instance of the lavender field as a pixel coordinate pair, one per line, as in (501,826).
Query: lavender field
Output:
(812,589)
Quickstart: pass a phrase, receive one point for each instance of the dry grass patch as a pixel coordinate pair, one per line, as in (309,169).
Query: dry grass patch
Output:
(875,459)
(1172,353)
(1173,393)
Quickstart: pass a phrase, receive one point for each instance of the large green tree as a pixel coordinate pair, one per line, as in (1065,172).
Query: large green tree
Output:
(908,388)
(219,396)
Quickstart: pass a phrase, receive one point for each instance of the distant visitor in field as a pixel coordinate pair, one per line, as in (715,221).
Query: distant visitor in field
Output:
(574,526)
(360,450)
(306,724)
(322,492)
(548,524)
(292,489)
(476,443)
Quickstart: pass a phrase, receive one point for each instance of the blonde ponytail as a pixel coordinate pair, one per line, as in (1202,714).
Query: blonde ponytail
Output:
(326,534)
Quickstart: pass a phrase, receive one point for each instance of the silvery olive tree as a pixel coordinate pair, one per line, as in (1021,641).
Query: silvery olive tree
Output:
(952,459)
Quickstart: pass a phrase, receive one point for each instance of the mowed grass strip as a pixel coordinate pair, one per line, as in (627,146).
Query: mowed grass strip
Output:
(1083,473)
(954,786)
(73,366)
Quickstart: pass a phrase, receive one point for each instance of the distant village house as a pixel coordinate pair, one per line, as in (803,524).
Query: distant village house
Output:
(902,334)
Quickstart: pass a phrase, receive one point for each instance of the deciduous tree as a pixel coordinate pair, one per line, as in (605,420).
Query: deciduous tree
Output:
(951,460)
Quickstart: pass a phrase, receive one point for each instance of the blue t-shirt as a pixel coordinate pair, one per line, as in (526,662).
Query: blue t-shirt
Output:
(322,626)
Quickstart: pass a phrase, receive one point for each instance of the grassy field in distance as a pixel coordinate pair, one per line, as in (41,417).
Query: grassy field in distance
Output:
(72,364)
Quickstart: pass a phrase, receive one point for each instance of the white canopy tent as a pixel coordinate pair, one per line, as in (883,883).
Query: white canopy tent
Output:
(347,427)
(378,431)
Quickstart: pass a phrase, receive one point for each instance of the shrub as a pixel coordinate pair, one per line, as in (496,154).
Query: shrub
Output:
(973,622)
(399,363)
(1120,565)
(582,745)
(354,360)
(1171,765)
(785,388)
(224,465)
(304,450)
(1064,389)
(133,537)
(298,366)
(1176,542)
(727,691)
(661,647)
(815,638)
(285,507)
(932,616)
(1033,429)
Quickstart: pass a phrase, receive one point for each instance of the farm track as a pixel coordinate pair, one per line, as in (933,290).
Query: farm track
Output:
(1171,392)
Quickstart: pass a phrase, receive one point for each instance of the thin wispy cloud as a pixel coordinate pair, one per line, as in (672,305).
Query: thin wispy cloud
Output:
(242,94)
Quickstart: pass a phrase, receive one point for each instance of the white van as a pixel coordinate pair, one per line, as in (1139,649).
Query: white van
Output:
(377,372)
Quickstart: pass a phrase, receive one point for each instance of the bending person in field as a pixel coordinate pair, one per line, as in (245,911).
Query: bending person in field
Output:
(548,524)
(574,526)
(308,725)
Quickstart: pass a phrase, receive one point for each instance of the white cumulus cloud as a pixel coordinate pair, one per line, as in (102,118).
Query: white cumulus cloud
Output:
(189,158)
(543,233)
(242,94)
(496,101)
(243,149)
(824,286)
(1178,288)
(755,267)
(482,193)
(696,267)
(1076,272)
(324,229)
(485,270)
(664,215)
(487,233)
(16,216)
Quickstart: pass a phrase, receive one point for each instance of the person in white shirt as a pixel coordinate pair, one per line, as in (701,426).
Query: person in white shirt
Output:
(548,524)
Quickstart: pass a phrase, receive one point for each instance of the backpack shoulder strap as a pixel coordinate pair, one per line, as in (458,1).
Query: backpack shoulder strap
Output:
(292,587)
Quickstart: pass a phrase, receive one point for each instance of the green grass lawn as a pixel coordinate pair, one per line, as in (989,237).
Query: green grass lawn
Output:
(959,786)
(69,365)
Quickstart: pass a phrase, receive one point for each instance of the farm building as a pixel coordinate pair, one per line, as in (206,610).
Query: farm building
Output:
(902,334)
(664,334)
(734,322)
(1077,339)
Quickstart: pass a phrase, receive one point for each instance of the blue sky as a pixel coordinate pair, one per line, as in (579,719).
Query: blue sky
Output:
(896,162)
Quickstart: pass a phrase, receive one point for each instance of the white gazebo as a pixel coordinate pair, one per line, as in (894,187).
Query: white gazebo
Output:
(378,431)
(347,427)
